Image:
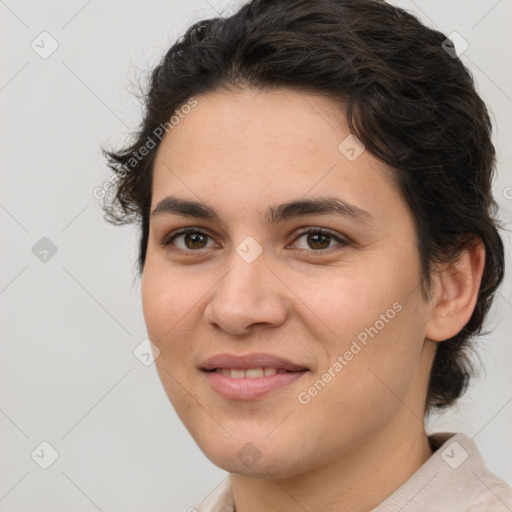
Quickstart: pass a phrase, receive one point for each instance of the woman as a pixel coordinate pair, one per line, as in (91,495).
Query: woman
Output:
(318,245)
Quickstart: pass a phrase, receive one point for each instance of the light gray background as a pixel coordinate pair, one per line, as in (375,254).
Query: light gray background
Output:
(69,326)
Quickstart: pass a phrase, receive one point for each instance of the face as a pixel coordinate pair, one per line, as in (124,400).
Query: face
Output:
(289,336)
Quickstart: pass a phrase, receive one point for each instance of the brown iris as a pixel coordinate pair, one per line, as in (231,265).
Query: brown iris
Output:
(314,240)
(197,240)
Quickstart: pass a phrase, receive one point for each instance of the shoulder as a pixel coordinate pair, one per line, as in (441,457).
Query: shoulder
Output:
(454,479)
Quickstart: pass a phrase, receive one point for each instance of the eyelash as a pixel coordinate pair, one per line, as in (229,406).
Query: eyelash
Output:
(341,242)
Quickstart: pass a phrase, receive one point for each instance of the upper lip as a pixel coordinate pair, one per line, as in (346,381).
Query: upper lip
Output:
(248,361)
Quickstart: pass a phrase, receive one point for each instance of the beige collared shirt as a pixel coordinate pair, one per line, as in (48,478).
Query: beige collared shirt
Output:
(454,479)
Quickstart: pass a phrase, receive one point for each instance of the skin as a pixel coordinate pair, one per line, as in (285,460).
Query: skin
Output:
(241,152)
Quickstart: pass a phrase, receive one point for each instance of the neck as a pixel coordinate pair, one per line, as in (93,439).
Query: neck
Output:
(356,481)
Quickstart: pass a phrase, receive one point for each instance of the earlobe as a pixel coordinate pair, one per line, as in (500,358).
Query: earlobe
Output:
(458,284)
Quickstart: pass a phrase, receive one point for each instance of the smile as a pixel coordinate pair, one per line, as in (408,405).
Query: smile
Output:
(251,373)
(243,387)
(250,376)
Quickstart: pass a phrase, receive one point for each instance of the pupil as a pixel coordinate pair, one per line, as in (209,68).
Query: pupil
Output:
(311,240)
(194,238)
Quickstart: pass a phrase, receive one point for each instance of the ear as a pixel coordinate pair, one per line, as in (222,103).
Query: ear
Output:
(456,293)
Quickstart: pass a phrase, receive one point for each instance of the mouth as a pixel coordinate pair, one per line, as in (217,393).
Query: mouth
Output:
(251,373)
(249,362)
(250,377)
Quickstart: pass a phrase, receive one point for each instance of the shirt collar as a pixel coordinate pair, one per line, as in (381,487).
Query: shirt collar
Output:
(453,477)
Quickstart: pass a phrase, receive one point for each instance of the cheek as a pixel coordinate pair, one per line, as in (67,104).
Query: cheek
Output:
(347,301)
(379,363)
(168,312)
(168,309)
(161,314)
(369,319)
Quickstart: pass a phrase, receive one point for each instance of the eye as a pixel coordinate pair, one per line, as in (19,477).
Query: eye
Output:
(319,239)
(191,239)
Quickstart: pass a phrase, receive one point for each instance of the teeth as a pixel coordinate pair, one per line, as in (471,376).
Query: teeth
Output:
(251,373)
(254,372)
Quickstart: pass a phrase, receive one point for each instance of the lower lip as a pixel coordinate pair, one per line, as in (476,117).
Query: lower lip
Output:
(250,388)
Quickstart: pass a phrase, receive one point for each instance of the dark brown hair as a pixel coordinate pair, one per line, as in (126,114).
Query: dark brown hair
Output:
(412,103)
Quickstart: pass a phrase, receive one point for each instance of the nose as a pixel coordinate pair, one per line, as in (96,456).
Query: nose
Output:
(249,295)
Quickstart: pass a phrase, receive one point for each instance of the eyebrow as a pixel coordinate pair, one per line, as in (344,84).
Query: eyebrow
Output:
(273,215)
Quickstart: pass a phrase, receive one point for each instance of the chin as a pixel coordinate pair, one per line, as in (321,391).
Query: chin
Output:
(278,468)
(256,459)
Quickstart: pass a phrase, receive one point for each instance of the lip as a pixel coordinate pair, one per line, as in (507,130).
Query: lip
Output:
(250,388)
(247,361)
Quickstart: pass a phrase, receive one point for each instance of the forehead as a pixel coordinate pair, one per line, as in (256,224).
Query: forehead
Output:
(250,117)
(266,147)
